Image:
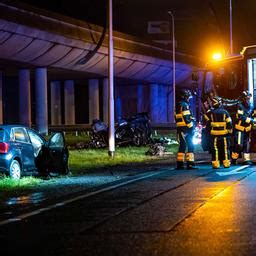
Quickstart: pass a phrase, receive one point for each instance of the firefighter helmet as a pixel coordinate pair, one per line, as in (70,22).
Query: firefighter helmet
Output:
(245,98)
(246,94)
(216,102)
(185,94)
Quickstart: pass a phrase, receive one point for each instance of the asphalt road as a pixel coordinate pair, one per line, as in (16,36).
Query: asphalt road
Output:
(161,212)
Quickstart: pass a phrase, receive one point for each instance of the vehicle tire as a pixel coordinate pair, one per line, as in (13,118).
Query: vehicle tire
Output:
(15,170)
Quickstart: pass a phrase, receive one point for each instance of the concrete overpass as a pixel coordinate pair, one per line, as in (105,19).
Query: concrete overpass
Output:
(50,52)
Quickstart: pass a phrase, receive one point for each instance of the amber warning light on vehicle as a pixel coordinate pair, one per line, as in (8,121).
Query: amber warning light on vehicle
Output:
(217,56)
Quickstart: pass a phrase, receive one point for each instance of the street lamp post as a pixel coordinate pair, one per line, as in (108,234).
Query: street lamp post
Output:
(111,115)
(230,27)
(173,60)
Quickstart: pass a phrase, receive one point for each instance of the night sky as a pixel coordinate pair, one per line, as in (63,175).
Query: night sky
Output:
(201,26)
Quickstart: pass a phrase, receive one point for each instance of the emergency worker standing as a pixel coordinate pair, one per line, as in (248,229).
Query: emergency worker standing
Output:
(220,125)
(243,125)
(185,131)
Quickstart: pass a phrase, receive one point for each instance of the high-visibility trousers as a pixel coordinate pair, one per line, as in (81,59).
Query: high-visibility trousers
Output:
(241,145)
(220,151)
(185,140)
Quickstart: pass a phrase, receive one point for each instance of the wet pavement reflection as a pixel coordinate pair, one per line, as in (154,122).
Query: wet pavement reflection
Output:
(33,198)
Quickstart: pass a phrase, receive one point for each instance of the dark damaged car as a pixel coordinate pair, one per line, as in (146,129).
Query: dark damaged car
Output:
(23,151)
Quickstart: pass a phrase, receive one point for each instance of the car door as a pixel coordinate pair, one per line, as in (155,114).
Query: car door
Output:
(57,154)
(23,144)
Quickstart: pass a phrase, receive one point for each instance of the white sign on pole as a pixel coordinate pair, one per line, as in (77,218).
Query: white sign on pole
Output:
(158,27)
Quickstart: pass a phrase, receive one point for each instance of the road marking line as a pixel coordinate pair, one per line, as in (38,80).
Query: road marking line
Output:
(235,171)
(65,202)
(59,204)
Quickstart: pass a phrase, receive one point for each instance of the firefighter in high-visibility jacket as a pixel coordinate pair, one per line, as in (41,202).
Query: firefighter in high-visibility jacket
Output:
(185,131)
(220,125)
(244,121)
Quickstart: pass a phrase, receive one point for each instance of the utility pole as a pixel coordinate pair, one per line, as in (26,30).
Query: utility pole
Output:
(173,60)
(230,27)
(111,123)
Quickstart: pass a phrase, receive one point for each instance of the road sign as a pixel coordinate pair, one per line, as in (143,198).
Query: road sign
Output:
(158,27)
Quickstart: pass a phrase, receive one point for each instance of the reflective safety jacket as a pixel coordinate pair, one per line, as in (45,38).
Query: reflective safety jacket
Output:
(183,116)
(244,119)
(219,121)
(254,118)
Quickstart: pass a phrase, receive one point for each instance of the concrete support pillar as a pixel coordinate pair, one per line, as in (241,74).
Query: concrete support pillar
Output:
(55,102)
(94,107)
(154,103)
(170,104)
(162,104)
(24,97)
(41,100)
(140,98)
(105,100)
(1,97)
(118,106)
(69,101)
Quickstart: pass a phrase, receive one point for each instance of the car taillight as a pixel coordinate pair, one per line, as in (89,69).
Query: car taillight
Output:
(4,147)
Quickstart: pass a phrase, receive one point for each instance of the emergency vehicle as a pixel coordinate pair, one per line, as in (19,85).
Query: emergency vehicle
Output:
(228,77)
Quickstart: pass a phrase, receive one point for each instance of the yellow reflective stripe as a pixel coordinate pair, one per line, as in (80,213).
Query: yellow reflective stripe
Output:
(218,124)
(190,157)
(183,136)
(206,118)
(248,120)
(240,112)
(239,127)
(181,124)
(239,138)
(189,125)
(217,132)
(216,150)
(247,129)
(228,120)
(186,112)
(178,115)
(180,156)
(225,149)
(242,128)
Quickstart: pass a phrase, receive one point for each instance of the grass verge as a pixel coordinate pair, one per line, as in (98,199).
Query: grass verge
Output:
(84,160)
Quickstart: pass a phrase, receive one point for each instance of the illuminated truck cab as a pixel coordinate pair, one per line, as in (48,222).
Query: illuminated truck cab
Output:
(229,76)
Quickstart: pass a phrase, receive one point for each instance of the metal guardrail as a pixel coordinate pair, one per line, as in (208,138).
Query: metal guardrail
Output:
(76,128)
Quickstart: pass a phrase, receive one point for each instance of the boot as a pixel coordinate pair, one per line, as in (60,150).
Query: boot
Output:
(191,166)
(247,159)
(215,164)
(226,163)
(180,165)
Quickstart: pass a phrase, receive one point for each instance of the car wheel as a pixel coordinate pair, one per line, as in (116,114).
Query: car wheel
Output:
(15,170)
